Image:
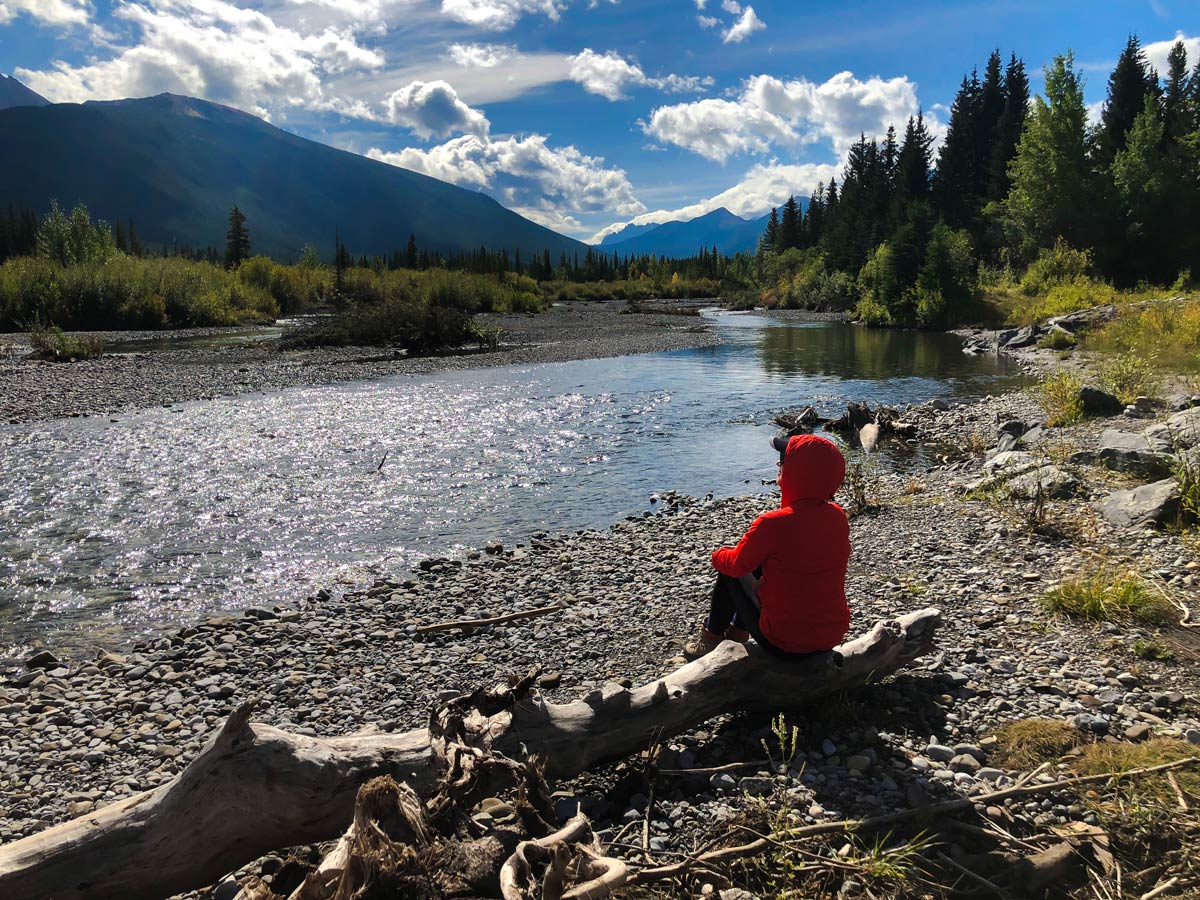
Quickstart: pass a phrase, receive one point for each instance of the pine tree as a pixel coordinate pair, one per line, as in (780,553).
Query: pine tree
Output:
(135,245)
(237,239)
(1175,97)
(410,252)
(1052,185)
(770,238)
(954,184)
(1128,86)
(1008,128)
(119,237)
(789,226)
(913,164)
(1143,180)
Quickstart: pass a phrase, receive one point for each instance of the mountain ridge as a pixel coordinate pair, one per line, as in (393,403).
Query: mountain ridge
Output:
(718,228)
(176,165)
(14,93)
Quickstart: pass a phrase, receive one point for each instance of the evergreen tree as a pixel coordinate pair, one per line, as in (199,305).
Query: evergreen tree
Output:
(1143,181)
(1052,185)
(1128,86)
(770,238)
(1176,113)
(237,239)
(789,226)
(955,183)
(410,252)
(135,245)
(119,237)
(1008,128)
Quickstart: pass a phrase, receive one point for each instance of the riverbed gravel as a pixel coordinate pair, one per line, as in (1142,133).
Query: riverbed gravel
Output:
(32,390)
(83,733)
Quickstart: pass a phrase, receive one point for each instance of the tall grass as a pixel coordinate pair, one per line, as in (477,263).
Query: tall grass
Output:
(123,292)
(1166,332)
(1058,395)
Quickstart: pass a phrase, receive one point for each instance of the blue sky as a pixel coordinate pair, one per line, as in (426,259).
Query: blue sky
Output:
(581,114)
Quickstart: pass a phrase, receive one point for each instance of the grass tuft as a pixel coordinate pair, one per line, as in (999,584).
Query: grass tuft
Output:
(1031,742)
(1110,597)
(1121,756)
(1152,650)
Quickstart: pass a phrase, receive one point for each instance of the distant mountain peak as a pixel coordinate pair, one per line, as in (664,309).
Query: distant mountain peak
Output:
(14,93)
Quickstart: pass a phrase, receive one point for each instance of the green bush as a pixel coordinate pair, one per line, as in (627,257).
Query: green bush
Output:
(1058,395)
(52,344)
(1129,376)
(1060,265)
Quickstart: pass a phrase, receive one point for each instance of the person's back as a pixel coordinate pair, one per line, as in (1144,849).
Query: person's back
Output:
(801,549)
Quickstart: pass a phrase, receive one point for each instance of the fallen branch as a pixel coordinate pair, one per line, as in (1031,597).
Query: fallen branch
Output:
(194,829)
(495,620)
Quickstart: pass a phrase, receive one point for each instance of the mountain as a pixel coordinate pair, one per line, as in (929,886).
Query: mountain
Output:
(629,231)
(719,228)
(13,93)
(175,165)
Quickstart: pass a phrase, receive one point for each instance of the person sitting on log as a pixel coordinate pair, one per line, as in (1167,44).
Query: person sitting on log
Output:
(785,581)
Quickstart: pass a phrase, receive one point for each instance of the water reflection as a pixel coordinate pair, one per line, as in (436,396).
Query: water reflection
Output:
(115,528)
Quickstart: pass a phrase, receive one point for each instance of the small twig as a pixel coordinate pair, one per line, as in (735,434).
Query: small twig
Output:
(993,831)
(1183,804)
(1161,889)
(1029,776)
(978,879)
(379,468)
(715,770)
(494,620)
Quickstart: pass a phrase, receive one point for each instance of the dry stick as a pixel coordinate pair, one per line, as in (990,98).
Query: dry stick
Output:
(1161,889)
(715,770)
(494,620)
(754,847)
(1183,804)
(379,468)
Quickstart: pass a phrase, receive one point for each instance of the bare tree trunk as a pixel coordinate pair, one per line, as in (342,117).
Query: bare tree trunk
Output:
(254,788)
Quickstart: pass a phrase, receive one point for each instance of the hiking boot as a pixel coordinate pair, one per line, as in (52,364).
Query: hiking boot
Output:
(733,633)
(705,643)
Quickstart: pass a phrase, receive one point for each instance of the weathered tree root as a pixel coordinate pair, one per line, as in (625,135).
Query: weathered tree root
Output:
(596,876)
(255,789)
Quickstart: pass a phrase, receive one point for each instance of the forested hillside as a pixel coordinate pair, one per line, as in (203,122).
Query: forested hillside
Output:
(913,239)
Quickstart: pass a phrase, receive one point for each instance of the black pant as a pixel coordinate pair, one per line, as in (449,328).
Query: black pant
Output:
(732,605)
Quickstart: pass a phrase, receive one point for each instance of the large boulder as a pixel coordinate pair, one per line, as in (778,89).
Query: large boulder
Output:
(1154,505)
(1050,481)
(1124,451)
(1097,402)
(1083,319)
(1011,463)
(1185,428)
(1020,337)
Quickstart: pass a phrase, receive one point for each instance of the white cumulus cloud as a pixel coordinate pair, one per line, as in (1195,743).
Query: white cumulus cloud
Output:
(49,12)
(215,50)
(482,56)
(608,74)
(770,112)
(1157,52)
(433,109)
(544,183)
(765,185)
(708,21)
(498,15)
(743,27)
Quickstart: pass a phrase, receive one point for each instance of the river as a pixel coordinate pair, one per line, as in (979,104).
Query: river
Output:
(113,527)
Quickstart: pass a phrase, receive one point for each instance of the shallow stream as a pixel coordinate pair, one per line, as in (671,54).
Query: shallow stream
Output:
(113,529)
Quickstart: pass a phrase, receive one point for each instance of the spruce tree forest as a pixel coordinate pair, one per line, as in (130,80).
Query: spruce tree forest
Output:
(1025,210)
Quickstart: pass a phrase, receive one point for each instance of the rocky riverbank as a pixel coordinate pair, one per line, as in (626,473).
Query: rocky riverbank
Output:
(83,733)
(35,391)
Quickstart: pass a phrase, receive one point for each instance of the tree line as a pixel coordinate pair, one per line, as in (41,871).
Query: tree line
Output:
(1012,178)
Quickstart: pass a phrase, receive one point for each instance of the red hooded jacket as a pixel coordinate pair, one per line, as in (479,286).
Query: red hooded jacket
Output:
(803,548)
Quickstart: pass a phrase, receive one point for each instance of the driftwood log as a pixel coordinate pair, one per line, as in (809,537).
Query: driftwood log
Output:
(255,788)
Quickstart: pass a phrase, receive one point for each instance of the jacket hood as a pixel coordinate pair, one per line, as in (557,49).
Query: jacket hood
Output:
(813,469)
